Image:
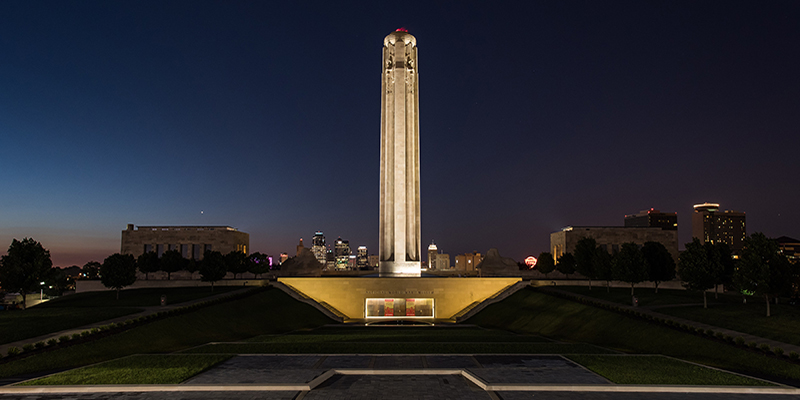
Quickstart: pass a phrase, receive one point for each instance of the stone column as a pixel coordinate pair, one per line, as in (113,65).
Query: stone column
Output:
(400,241)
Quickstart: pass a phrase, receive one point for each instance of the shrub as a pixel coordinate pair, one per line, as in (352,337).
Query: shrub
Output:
(28,347)
(739,340)
(93,331)
(63,338)
(719,335)
(76,336)
(52,342)
(39,345)
(12,351)
(794,356)
(709,332)
(752,345)
(778,351)
(85,333)
(764,347)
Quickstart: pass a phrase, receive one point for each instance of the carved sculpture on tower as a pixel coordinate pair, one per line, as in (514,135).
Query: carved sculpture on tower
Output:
(399,242)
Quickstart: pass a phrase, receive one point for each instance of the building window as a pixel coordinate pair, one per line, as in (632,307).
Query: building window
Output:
(207,247)
(159,250)
(196,251)
(185,250)
(399,308)
(148,248)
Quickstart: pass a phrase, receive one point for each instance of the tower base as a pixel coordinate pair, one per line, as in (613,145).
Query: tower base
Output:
(399,269)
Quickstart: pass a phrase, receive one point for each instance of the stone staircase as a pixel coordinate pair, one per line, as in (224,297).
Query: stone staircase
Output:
(476,306)
(323,307)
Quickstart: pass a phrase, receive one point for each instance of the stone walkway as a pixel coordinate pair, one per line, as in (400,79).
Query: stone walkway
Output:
(146,311)
(649,311)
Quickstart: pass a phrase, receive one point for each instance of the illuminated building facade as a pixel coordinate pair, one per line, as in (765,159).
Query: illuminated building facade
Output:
(432,251)
(399,234)
(790,248)
(611,238)
(653,218)
(711,225)
(341,253)
(361,257)
(442,261)
(191,241)
(318,247)
(467,262)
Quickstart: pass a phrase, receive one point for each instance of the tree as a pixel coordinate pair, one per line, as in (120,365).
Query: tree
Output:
(584,258)
(259,264)
(148,262)
(695,269)
(545,263)
(172,261)
(566,264)
(237,262)
(763,269)
(91,270)
(603,267)
(212,267)
(26,265)
(659,262)
(629,265)
(118,271)
(722,263)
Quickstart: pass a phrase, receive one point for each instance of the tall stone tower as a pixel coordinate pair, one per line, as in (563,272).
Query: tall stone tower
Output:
(400,241)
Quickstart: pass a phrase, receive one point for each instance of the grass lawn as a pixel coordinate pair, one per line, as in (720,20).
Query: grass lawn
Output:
(138,369)
(37,321)
(269,311)
(86,308)
(659,370)
(647,296)
(530,311)
(146,297)
(783,325)
(322,347)
(726,312)
(391,334)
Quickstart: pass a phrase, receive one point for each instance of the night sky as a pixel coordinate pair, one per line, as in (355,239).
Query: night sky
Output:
(265,116)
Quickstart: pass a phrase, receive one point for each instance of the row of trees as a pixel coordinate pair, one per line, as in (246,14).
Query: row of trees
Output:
(172,261)
(761,268)
(631,264)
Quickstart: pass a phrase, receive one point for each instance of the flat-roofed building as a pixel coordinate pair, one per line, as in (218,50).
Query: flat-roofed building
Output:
(611,238)
(711,225)
(442,261)
(653,218)
(191,241)
(468,261)
(790,248)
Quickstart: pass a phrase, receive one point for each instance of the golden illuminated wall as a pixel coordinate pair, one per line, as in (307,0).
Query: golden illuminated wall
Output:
(348,295)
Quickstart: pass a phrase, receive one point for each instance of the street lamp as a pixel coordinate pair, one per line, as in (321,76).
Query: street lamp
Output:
(41,291)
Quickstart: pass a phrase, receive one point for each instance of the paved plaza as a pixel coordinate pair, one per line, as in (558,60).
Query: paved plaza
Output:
(357,377)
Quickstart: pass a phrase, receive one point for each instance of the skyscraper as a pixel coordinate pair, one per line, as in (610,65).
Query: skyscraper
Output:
(399,237)
(361,257)
(432,251)
(318,247)
(341,252)
(711,225)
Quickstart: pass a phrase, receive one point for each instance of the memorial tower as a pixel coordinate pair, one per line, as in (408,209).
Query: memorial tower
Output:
(399,240)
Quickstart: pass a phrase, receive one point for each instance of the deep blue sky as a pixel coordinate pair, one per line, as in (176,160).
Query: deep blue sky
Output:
(266,116)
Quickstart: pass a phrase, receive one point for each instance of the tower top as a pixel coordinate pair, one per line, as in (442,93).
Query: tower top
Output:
(401,36)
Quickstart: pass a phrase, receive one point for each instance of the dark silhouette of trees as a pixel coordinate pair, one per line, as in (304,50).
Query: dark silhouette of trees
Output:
(24,267)
(212,267)
(722,263)
(148,262)
(603,263)
(545,263)
(91,270)
(172,261)
(659,262)
(237,262)
(566,264)
(259,264)
(629,265)
(118,271)
(584,258)
(763,269)
(695,269)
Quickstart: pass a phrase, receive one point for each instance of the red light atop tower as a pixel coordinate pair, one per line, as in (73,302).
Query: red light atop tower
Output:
(402,30)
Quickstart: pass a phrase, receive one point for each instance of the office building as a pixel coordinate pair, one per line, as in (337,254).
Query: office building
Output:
(361,257)
(611,238)
(191,241)
(467,262)
(318,247)
(341,252)
(711,225)
(653,218)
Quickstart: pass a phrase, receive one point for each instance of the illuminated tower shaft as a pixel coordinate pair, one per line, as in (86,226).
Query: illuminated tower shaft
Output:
(399,225)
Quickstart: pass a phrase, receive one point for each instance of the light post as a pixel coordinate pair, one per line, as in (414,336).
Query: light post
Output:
(41,291)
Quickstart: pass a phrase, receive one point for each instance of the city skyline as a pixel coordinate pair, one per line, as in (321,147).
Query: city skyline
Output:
(266,118)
